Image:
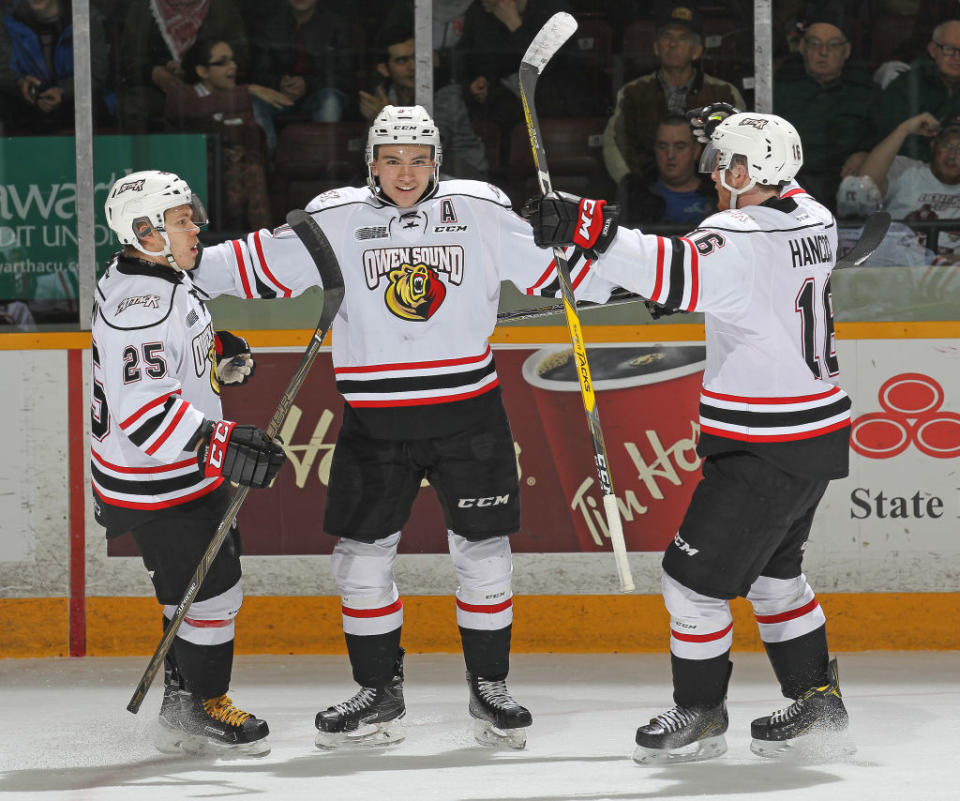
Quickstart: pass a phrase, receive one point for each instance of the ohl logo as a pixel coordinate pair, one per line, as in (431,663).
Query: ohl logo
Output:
(911,414)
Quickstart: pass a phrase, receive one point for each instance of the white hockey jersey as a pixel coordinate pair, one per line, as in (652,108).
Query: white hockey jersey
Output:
(761,275)
(411,347)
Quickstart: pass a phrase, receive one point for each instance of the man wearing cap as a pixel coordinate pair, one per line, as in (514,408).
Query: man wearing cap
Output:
(829,101)
(914,189)
(677,85)
(931,84)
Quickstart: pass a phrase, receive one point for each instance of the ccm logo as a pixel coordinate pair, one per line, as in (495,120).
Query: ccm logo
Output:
(470,503)
(219,438)
(586,218)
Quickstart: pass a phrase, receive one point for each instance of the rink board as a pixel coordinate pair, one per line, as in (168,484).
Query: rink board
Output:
(883,554)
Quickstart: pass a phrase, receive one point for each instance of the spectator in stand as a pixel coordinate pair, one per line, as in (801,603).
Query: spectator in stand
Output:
(37,55)
(213,102)
(829,101)
(156,35)
(496,34)
(448,19)
(306,51)
(918,190)
(931,84)
(463,151)
(678,84)
(672,190)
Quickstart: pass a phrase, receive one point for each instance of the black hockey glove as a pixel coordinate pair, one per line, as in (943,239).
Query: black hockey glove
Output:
(657,311)
(234,361)
(561,219)
(240,453)
(704,121)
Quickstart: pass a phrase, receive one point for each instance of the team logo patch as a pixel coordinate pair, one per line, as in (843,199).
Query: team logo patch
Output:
(371,232)
(415,292)
(147,301)
(130,186)
(754,122)
(445,260)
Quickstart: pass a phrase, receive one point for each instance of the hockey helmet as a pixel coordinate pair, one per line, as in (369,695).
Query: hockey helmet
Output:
(769,144)
(403,125)
(136,204)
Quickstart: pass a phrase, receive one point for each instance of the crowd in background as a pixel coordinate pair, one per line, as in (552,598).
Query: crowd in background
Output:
(869,84)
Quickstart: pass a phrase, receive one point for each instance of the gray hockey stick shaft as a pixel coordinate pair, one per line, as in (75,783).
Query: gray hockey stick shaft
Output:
(319,248)
(871,237)
(545,44)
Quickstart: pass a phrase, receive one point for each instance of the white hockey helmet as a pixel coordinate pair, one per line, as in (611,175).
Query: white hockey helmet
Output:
(769,144)
(403,125)
(136,204)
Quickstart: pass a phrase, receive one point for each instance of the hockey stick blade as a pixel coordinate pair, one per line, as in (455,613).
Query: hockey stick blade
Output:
(306,228)
(549,39)
(874,230)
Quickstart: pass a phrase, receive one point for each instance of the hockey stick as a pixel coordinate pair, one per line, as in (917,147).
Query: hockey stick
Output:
(545,44)
(871,237)
(319,248)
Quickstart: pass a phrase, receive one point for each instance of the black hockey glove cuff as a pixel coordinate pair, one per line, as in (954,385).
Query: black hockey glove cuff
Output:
(234,360)
(704,121)
(657,311)
(240,453)
(561,219)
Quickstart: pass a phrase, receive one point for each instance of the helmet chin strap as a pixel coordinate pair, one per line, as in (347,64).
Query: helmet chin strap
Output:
(166,252)
(735,193)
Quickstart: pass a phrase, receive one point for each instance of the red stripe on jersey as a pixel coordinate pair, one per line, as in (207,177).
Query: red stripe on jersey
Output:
(141,470)
(542,278)
(207,624)
(379,368)
(583,274)
(160,504)
(386,404)
(694,275)
(263,263)
(488,609)
(243,275)
(658,286)
(796,399)
(798,191)
(169,429)
(791,437)
(144,409)
(793,614)
(716,635)
(383,611)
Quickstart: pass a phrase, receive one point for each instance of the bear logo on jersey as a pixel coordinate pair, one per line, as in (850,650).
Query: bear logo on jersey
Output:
(415,292)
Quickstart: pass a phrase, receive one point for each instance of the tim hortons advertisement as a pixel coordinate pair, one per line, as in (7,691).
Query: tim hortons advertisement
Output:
(648,400)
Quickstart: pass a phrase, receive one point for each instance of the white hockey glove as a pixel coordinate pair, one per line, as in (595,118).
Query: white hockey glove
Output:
(234,361)
(703,121)
(240,453)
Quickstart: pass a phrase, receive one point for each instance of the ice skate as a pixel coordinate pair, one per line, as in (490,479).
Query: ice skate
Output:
(683,734)
(498,719)
(373,717)
(210,727)
(812,727)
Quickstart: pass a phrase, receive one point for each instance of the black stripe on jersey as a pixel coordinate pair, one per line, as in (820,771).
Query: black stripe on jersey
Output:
(139,486)
(774,419)
(675,295)
(413,383)
(143,432)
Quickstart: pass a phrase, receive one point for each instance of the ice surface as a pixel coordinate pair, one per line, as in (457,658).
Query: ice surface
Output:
(67,735)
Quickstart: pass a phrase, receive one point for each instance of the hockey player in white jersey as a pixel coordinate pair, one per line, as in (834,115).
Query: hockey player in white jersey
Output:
(774,428)
(161,454)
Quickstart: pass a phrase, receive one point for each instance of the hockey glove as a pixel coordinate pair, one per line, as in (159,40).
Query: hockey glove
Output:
(704,121)
(561,219)
(240,453)
(234,361)
(657,311)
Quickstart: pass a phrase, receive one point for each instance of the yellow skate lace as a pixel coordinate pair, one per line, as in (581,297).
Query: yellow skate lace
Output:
(221,708)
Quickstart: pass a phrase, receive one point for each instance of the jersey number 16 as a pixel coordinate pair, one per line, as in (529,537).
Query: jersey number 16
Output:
(823,352)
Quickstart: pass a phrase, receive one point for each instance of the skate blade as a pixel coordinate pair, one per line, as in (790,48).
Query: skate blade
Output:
(490,736)
(170,741)
(707,748)
(814,747)
(371,736)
